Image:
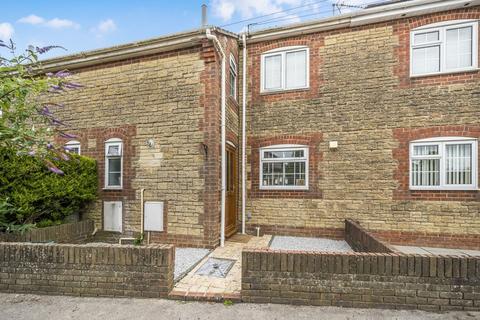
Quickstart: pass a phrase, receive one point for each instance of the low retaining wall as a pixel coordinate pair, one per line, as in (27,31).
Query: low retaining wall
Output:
(365,280)
(87,270)
(361,240)
(77,232)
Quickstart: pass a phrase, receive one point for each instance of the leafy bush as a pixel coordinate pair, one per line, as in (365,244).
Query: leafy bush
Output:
(30,193)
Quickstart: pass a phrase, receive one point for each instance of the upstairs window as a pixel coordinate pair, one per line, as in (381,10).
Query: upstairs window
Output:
(284,167)
(233,78)
(443,164)
(444,48)
(73,147)
(285,69)
(113,164)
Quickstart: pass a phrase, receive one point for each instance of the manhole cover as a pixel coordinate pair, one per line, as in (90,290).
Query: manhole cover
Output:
(215,267)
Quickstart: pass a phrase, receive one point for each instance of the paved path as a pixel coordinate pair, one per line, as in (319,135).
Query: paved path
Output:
(197,285)
(30,307)
(438,251)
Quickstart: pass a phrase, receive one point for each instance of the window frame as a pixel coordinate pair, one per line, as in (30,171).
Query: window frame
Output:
(283,53)
(73,144)
(442,142)
(108,143)
(442,28)
(281,148)
(234,71)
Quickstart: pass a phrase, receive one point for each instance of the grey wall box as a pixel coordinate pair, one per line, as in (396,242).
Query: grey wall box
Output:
(153,220)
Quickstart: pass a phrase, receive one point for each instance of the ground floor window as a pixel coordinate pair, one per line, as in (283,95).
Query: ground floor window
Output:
(284,167)
(447,163)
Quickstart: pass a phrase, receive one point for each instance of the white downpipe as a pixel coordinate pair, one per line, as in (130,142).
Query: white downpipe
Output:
(212,37)
(244,130)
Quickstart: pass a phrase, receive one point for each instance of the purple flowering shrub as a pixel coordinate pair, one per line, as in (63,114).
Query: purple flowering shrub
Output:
(27,121)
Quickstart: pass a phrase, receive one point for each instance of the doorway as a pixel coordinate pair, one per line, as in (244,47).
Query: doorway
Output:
(231,192)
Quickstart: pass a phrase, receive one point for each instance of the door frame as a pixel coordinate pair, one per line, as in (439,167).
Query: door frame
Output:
(231,189)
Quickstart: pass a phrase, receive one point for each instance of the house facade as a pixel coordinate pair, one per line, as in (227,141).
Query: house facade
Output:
(372,115)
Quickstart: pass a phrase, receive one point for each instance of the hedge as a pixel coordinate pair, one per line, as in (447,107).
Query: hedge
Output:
(37,195)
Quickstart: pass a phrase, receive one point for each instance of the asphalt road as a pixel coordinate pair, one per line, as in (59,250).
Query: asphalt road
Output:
(23,307)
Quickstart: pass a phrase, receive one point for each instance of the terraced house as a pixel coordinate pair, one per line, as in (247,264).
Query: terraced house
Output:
(371,115)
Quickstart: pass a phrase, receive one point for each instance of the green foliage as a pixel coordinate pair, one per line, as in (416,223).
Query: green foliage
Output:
(227,303)
(27,104)
(30,193)
(138,240)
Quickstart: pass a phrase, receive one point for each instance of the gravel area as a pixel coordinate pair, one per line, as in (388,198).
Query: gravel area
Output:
(186,259)
(309,244)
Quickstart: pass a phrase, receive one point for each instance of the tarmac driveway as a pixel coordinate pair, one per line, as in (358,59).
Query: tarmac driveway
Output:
(23,307)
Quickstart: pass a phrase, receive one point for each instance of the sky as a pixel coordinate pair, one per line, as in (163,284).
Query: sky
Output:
(91,24)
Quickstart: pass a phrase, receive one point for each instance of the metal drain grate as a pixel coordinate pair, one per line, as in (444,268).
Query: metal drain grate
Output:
(215,267)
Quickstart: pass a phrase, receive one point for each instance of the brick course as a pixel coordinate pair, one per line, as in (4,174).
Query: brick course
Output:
(363,241)
(361,280)
(77,232)
(87,270)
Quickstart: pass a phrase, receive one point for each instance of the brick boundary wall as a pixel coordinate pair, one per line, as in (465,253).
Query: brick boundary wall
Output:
(363,241)
(363,280)
(76,232)
(87,270)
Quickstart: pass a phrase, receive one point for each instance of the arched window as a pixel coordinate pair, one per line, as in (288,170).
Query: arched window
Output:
(443,163)
(445,47)
(113,163)
(285,69)
(284,167)
(73,146)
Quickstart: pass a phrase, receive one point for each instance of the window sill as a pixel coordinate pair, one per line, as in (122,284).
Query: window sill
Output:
(265,93)
(443,189)
(113,188)
(283,189)
(417,76)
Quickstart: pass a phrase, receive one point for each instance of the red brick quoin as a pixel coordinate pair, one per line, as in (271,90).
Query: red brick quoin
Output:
(401,154)
(315,156)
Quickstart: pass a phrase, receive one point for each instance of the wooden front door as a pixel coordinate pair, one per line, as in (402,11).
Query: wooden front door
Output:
(231,192)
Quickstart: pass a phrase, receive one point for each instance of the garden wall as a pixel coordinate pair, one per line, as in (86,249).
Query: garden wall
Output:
(77,232)
(362,241)
(365,280)
(87,270)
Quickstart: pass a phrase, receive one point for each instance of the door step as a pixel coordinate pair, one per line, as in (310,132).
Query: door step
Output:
(205,296)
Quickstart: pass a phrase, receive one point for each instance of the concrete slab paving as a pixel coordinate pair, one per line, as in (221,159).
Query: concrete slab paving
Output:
(437,251)
(32,307)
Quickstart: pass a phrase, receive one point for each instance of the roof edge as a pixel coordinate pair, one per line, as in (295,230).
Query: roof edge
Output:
(130,50)
(363,17)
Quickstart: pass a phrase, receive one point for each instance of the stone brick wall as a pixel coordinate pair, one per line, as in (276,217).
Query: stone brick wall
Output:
(87,270)
(172,98)
(364,280)
(362,241)
(361,96)
(77,232)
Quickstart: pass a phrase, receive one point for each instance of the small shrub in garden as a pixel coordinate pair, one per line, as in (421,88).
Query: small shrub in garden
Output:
(31,193)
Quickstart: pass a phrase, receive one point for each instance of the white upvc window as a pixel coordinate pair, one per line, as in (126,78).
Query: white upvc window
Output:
(113,164)
(73,147)
(233,77)
(285,69)
(446,47)
(445,163)
(284,167)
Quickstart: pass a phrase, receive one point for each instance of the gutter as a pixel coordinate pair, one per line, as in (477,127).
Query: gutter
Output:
(362,17)
(126,51)
(219,47)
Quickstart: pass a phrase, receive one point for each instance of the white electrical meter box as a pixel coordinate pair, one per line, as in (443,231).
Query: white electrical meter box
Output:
(153,216)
